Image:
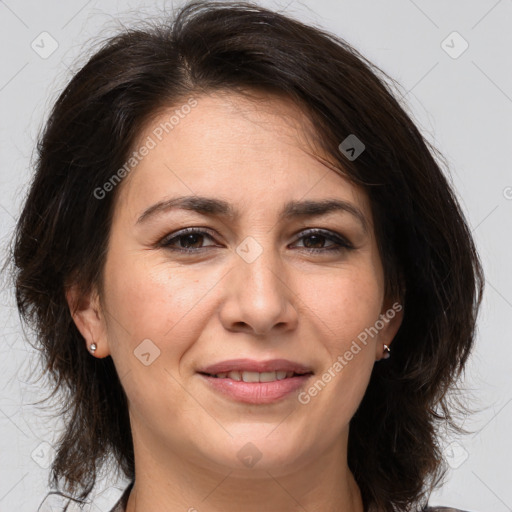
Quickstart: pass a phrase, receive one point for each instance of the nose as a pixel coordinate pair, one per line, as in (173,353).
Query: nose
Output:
(259,296)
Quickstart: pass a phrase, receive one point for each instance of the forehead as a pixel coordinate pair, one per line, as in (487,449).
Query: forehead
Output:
(251,151)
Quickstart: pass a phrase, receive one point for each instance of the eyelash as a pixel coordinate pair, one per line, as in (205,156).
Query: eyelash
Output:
(342,244)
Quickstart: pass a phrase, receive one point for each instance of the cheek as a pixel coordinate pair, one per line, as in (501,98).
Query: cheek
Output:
(345,302)
(155,300)
(343,307)
(158,312)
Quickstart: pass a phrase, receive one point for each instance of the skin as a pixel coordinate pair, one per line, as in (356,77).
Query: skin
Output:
(209,306)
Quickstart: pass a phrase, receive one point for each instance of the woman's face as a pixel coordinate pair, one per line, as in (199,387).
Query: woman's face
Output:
(253,283)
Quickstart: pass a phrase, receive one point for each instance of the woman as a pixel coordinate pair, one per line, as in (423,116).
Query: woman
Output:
(247,271)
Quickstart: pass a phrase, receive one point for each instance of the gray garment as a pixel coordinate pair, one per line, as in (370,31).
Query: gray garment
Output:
(123,500)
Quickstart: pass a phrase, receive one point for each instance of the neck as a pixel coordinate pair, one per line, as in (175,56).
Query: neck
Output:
(171,482)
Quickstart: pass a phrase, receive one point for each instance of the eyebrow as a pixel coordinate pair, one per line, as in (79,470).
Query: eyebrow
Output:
(218,208)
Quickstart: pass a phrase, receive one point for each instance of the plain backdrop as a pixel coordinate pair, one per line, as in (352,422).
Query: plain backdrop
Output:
(453,61)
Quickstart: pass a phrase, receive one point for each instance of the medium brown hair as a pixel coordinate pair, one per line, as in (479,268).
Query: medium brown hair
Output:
(429,258)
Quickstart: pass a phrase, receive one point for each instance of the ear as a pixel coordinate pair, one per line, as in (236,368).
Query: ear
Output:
(391,317)
(89,319)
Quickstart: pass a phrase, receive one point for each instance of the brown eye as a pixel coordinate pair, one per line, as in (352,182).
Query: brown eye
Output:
(314,241)
(192,240)
(189,240)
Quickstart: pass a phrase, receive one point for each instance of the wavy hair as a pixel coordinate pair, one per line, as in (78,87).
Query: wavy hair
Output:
(429,258)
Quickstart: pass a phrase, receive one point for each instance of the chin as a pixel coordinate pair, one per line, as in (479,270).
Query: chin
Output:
(251,451)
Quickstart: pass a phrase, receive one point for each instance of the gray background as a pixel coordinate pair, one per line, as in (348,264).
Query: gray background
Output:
(463,104)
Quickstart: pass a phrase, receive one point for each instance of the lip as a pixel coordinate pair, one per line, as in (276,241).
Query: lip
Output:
(251,365)
(256,392)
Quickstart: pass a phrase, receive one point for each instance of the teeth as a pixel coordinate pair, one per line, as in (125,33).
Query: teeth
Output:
(255,376)
(268,376)
(251,376)
(235,376)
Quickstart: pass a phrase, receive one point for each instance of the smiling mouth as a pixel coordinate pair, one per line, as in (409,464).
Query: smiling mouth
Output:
(245,376)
